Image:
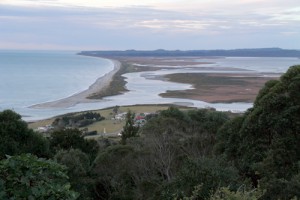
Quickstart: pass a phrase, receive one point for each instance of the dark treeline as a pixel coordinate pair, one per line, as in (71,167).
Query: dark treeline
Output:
(263,52)
(193,154)
(76,121)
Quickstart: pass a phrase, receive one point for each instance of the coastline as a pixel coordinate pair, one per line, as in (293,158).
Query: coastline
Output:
(82,97)
(211,84)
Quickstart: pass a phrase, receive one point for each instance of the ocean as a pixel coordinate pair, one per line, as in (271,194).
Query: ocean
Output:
(33,77)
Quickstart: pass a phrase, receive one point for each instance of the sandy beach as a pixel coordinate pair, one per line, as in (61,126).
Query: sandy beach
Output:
(101,84)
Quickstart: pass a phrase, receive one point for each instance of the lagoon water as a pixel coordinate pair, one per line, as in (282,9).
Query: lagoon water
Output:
(33,77)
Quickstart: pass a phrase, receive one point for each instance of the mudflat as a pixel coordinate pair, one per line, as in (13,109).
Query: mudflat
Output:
(221,87)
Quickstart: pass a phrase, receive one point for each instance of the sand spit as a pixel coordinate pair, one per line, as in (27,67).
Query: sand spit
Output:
(101,84)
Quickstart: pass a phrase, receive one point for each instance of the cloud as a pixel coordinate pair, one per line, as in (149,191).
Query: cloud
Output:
(83,3)
(180,25)
(125,24)
(291,33)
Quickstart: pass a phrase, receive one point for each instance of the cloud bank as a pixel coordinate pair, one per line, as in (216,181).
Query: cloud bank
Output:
(199,24)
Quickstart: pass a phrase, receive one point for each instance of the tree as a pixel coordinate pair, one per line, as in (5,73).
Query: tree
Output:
(116,109)
(228,138)
(204,125)
(224,193)
(164,154)
(208,173)
(112,171)
(129,129)
(77,162)
(17,138)
(266,144)
(174,112)
(79,167)
(28,177)
(73,138)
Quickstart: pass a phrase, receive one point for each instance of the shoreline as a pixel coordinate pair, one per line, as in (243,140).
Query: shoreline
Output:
(210,87)
(100,84)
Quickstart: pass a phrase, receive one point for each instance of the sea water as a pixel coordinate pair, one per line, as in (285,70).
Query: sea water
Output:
(32,77)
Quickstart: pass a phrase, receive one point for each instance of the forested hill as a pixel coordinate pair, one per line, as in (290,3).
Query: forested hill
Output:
(263,52)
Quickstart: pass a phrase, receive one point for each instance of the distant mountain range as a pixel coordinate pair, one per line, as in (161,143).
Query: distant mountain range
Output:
(262,52)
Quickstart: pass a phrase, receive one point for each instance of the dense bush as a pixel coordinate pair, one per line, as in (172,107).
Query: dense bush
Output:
(72,138)
(77,120)
(265,143)
(28,177)
(16,138)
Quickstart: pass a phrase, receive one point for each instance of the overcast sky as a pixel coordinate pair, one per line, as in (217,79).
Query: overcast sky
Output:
(149,24)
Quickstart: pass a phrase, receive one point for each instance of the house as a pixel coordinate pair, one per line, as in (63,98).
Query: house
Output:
(120,116)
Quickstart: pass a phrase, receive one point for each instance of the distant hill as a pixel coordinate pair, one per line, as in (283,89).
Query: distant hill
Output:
(262,52)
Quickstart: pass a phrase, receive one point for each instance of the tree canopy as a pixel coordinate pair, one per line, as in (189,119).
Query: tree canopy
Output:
(17,138)
(265,142)
(28,177)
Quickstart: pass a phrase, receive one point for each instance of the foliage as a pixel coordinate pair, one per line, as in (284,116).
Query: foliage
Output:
(150,165)
(112,171)
(77,162)
(79,120)
(208,120)
(16,138)
(195,130)
(116,109)
(29,177)
(73,138)
(224,193)
(210,173)
(173,112)
(228,138)
(78,165)
(265,142)
(129,129)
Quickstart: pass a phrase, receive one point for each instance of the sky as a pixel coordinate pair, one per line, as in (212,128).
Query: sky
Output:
(149,24)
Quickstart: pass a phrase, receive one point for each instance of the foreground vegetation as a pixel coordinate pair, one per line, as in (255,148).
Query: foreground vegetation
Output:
(191,154)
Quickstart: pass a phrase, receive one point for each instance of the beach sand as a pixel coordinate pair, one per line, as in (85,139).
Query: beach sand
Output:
(101,84)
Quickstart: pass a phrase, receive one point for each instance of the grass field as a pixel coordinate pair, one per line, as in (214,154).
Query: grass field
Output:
(112,127)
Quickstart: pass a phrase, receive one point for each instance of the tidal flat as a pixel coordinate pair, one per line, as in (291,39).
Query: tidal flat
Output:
(210,80)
